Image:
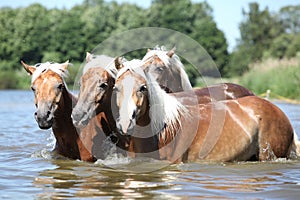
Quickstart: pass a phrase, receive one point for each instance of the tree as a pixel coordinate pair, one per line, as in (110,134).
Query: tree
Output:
(7,16)
(31,33)
(294,48)
(290,17)
(195,20)
(258,30)
(280,45)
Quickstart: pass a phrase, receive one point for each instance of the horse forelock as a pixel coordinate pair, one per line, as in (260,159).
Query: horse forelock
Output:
(132,65)
(165,110)
(162,55)
(103,61)
(44,67)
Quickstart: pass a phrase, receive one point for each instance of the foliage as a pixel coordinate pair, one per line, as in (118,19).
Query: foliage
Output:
(37,34)
(265,35)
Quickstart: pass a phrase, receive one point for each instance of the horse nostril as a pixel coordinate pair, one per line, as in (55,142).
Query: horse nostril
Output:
(48,113)
(133,114)
(35,113)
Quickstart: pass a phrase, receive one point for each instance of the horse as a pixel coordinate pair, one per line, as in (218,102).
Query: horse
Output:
(94,105)
(54,105)
(166,68)
(95,97)
(247,128)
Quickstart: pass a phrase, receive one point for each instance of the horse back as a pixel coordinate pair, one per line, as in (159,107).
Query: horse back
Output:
(218,92)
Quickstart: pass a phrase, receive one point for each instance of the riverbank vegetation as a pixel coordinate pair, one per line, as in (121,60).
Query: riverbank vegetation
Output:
(280,77)
(38,34)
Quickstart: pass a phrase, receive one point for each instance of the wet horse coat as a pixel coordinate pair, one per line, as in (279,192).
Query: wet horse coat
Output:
(248,128)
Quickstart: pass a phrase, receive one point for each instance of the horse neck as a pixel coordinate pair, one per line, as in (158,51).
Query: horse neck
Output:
(63,126)
(65,106)
(106,109)
(144,142)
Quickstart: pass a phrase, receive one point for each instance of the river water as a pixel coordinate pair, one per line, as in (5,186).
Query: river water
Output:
(29,171)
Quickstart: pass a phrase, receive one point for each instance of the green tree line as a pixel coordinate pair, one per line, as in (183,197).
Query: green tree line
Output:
(37,34)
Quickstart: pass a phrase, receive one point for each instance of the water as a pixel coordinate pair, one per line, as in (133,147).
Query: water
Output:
(27,170)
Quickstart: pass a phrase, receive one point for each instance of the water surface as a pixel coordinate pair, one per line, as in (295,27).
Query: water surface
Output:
(28,170)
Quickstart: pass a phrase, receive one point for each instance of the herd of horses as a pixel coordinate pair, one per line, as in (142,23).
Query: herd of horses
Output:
(148,108)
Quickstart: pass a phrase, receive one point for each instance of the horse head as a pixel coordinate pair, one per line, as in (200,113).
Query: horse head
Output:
(95,90)
(48,84)
(132,103)
(166,68)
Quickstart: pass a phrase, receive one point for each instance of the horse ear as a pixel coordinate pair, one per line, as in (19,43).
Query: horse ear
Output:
(65,65)
(119,63)
(148,50)
(171,52)
(88,57)
(28,68)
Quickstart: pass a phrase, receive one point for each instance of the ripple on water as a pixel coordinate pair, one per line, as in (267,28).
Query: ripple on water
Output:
(29,170)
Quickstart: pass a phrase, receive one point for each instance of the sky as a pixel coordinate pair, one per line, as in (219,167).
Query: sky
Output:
(227,13)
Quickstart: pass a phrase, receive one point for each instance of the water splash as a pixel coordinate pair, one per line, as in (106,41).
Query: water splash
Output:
(46,152)
(51,141)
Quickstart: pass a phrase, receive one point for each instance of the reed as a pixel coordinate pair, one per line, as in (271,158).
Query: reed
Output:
(281,77)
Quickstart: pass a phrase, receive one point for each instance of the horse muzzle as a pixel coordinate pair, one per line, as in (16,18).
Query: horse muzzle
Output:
(44,121)
(125,128)
(80,119)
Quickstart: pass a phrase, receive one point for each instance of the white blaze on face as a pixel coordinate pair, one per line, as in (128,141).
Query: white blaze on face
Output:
(127,105)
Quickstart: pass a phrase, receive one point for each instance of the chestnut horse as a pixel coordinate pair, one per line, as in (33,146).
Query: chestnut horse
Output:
(248,128)
(94,99)
(54,105)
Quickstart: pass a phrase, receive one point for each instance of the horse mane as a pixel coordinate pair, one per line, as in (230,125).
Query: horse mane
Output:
(106,62)
(43,67)
(174,61)
(165,110)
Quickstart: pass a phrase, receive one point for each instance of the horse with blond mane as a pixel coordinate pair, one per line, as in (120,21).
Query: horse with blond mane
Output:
(96,97)
(94,100)
(54,105)
(248,128)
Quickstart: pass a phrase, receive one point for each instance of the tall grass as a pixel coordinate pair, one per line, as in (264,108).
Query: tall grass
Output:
(281,77)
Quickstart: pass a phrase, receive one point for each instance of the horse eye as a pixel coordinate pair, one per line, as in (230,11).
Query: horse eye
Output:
(143,88)
(33,88)
(38,64)
(159,69)
(60,86)
(103,85)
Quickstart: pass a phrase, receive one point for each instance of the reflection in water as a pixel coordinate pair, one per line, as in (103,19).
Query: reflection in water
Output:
(80,179)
